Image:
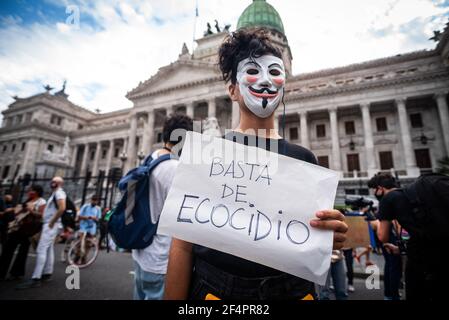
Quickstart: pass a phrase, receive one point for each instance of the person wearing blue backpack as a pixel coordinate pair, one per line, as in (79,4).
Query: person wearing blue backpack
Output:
(151,262)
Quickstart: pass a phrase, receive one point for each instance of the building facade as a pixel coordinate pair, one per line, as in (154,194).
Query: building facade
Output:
(388,114)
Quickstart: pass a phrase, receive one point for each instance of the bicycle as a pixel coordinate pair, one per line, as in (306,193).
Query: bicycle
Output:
(80,252)
(84,251)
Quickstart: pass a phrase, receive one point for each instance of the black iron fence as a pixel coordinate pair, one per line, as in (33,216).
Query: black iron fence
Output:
(79,189)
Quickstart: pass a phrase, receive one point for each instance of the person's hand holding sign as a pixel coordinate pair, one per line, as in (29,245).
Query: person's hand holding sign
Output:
(332,220)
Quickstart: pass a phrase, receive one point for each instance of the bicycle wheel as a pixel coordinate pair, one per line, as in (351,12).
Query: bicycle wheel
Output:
(75,257)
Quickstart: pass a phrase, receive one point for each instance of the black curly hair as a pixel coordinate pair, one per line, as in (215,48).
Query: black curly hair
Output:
(176,121)
(384,180)
(242,44)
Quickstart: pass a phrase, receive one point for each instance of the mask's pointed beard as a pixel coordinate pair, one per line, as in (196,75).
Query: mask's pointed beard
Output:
(264,102)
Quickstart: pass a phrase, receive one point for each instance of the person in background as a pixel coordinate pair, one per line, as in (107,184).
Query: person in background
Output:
(349,254)
(89,215)
(27,224)
(337,274)
(53,211)
(151,262)
(6,216)
(103,229)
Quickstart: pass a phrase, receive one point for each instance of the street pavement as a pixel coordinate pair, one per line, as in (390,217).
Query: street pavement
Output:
(111,278)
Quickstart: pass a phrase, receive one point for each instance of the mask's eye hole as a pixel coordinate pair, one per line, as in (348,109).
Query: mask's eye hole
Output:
(275,72)
(252,71)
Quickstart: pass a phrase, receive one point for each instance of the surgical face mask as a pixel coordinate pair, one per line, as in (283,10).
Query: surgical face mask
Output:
(261,82)
(379,196)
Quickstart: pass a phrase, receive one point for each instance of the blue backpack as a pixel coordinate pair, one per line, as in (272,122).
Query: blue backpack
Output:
(129,223)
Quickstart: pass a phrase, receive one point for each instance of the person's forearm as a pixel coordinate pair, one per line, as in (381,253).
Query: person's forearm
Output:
(57,216)
(179,271)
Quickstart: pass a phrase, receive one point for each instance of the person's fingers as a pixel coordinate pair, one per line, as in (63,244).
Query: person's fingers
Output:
(339,237)
(332,225)
(330,215)
(337,245)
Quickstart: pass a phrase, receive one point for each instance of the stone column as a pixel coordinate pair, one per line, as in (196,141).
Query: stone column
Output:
(211,108)
(28,161)
(190,109)
(74,156)
(83,171)
(304,129)
(131,152)
(235,114)
(410,160)
(336,159)
(444,117)
(369,142)
(148,133)
(96,159)
(110,154)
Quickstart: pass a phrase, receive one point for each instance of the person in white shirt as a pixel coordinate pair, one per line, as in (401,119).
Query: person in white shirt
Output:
(151,262)
(51,219)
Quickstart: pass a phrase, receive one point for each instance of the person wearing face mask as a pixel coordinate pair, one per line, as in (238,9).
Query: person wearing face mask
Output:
(26,224)
(53,211)
(425,222)
(254,66)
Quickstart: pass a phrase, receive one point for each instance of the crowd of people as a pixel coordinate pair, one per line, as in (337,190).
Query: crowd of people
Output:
(41,223)
(175,269)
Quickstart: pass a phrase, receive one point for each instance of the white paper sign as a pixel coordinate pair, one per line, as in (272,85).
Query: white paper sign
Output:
(252,204)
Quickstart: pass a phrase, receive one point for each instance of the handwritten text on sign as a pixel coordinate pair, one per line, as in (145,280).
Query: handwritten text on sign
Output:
(257,208)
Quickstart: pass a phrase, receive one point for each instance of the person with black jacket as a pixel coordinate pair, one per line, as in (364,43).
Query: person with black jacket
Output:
(425,272)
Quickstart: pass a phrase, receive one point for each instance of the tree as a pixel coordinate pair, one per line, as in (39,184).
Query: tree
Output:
(443,166)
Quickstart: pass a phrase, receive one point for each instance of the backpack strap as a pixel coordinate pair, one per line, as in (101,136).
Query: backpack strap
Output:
(132,184)
(155,162)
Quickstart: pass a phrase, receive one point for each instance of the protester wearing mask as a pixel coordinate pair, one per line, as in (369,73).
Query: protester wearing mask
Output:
(27,223)
(254,67)
(53,211)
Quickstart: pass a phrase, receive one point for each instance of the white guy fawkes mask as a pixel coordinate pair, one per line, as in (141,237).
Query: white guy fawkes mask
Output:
(261,83)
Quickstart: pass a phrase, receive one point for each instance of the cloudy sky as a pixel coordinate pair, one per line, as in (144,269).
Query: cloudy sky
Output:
(117,44)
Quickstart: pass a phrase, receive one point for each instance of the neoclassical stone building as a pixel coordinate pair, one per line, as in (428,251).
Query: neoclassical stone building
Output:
(381,115)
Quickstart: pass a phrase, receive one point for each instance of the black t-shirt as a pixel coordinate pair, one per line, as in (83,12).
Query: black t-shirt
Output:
(395,206)
(235,265)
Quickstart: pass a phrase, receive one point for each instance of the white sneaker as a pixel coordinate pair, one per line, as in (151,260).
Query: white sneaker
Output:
(351,288)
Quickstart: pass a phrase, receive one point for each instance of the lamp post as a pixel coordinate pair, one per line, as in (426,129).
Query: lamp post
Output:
(141,156)
(123,157)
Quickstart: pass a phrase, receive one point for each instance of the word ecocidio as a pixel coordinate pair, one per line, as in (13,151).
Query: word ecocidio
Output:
(237,213)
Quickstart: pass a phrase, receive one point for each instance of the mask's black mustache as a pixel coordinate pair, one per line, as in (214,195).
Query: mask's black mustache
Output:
(262,90)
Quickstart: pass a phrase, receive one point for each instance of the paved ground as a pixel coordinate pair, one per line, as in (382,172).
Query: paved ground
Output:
(111,277)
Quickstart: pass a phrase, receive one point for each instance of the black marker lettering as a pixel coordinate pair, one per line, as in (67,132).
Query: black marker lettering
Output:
(256,237)
(179,219)
(196,212)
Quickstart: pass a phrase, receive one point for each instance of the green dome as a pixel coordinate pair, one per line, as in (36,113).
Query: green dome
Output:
(261,14)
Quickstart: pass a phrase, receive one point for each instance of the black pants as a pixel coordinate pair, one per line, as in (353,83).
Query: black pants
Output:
(349,259)
(15,239)
(392,275)
(208,279)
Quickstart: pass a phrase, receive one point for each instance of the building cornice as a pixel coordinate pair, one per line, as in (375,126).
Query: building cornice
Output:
(34,125)
(439,75)
(365,65)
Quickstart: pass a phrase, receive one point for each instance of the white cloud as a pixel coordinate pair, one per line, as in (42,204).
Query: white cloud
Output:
(133,39)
